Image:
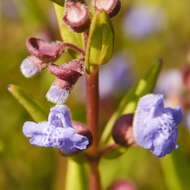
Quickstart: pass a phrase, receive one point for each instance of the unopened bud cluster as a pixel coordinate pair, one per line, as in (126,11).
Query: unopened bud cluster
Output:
(77,14)
(43,55)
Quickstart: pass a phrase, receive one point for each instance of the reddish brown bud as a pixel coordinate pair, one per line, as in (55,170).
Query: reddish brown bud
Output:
(81,129)
(122,185)
(123,131)
(112,7)
(185,72)
(69,72)
(45,51)
(76,16)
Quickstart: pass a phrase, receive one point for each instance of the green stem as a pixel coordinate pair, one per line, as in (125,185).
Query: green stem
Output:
(76,175)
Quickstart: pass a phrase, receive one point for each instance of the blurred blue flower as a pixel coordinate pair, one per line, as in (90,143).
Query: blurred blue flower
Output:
(116,76)
(57,132)
(143,20)
(155,127)
(169,82)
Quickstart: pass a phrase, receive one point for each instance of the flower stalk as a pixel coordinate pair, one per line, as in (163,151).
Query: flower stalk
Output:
(92,83)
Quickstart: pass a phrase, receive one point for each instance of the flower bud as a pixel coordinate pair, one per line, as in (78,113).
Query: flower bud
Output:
(69,72)
(81,129)
(67,75)
(186,76)
(76,16)
(123,131)
(112,7)
(47,52)
(59,91)
(31,66)
(122,185)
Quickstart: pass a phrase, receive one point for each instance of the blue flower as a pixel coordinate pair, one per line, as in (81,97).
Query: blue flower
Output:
(57,94)
(143,20)
(57,132)
(155,127)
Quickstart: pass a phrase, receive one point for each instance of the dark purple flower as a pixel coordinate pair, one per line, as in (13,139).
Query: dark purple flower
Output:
(57,132)
(155,127)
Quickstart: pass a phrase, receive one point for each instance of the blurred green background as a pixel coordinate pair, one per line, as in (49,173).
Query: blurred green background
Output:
(23,166)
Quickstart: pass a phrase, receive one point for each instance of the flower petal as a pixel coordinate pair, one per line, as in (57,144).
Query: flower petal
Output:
(60,116)
(154,126)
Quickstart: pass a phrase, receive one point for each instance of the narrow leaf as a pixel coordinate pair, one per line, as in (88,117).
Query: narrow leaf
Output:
(128,104)
(33,107)
(76,175)
(100,41)
(59,2)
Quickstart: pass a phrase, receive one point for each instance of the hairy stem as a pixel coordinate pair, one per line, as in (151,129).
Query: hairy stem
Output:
(93,125)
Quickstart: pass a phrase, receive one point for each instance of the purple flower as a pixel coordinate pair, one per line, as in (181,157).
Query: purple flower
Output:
(116,76)
(57,94)
(57,132)
(169,82)
(155,127)
(143,20)
(31,66)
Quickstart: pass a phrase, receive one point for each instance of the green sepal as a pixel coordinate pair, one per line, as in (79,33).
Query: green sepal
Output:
(33,107)
(100,42)
(66,34)
(59,2)
(128,104)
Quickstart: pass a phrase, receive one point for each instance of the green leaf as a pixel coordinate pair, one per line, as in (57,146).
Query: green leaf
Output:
(128,104)
(66,33)
(76,175)
(176,170)
(33,107)
(59,2)
(100,41)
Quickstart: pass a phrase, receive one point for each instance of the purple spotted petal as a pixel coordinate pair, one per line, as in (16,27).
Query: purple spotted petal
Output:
(57,132)
(81,142)
(31,128)
(60,116)
(155,127)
